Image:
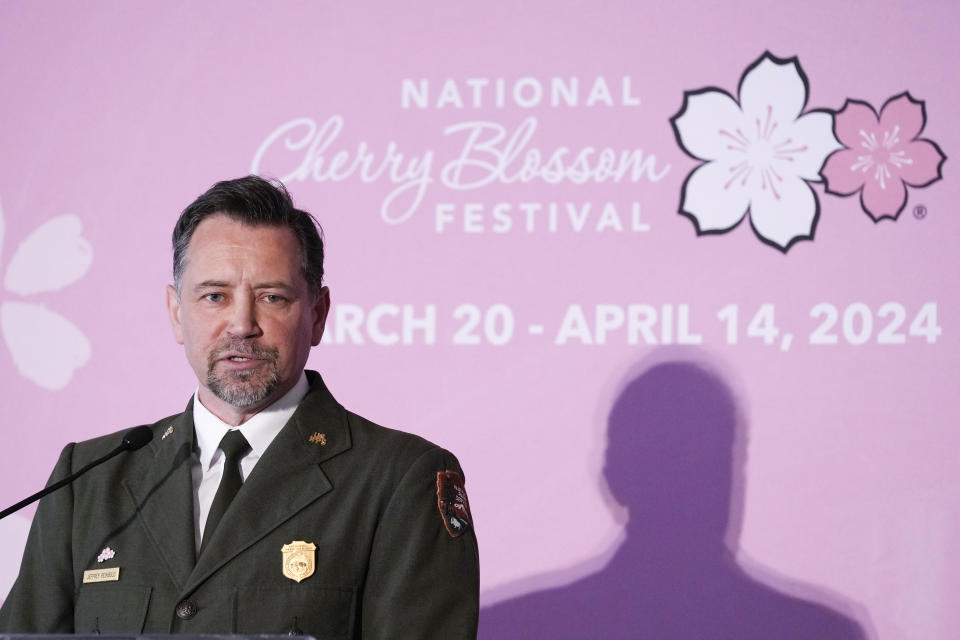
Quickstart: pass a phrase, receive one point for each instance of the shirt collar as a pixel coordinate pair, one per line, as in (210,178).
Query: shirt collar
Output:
(260,430)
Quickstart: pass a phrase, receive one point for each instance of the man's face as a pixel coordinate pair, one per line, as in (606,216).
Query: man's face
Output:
(245,315)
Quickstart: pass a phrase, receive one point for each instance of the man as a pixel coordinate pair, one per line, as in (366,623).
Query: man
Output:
(316,521)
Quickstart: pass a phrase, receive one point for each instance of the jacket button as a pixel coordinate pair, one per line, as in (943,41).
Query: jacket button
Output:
(186,610)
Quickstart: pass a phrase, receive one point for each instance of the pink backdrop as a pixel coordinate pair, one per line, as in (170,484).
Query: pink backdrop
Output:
(500,192)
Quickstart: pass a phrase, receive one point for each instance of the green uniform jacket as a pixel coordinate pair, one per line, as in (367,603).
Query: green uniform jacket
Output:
(386,564)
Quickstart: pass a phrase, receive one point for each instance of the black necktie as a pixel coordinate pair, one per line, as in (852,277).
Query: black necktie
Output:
(234,447)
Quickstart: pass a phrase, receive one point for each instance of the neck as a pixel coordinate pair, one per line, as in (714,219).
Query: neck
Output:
(231,415)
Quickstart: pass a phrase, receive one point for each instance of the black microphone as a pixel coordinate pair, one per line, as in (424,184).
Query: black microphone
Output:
(132,440)
(136,438)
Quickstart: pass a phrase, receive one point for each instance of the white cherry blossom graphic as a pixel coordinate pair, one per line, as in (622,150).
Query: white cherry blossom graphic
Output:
(46,347)
(760,154)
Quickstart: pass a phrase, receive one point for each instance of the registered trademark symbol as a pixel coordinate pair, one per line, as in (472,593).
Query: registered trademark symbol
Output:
(920,212)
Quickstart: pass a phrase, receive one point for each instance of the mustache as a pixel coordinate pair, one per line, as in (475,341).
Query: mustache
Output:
(246,348)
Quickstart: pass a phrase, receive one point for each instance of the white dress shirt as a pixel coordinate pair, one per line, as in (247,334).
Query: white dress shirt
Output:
(260,430)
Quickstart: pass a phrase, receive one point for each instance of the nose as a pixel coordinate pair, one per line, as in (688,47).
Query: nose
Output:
(242,322)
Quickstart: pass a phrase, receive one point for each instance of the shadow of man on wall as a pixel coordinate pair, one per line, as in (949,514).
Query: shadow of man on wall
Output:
(674,458)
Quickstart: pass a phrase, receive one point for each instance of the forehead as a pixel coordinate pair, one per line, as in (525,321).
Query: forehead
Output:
(222,244)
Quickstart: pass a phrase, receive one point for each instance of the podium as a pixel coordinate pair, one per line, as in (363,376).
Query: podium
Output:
(149,636)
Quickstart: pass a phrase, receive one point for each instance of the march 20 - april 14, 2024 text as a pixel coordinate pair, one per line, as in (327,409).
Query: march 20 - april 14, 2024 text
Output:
(599,324)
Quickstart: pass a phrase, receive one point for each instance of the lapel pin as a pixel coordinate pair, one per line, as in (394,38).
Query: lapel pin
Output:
(106,554)
(166,433)
(319,438)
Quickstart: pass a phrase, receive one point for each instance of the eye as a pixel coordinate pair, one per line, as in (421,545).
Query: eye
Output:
(274,298)
(213,297)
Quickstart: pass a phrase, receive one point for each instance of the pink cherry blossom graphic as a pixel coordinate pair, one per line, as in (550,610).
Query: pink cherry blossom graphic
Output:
(882,155)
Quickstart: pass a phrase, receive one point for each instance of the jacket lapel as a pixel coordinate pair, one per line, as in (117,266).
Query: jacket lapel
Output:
(285,480)
(164,495)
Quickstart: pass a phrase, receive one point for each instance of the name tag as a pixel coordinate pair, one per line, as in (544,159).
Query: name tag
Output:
(101,575)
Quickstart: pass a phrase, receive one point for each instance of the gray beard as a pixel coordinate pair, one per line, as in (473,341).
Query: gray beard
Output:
(243,389)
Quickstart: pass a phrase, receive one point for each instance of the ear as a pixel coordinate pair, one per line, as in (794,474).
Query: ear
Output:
(320,308)
(173,308)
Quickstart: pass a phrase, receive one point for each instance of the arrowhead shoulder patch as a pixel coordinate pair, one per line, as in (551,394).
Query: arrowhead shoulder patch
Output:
(452,502)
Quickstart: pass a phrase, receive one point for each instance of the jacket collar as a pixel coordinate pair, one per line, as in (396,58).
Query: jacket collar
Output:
(163,494)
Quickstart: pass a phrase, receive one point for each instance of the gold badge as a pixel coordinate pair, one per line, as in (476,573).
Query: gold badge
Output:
(298,560)
(319,438)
